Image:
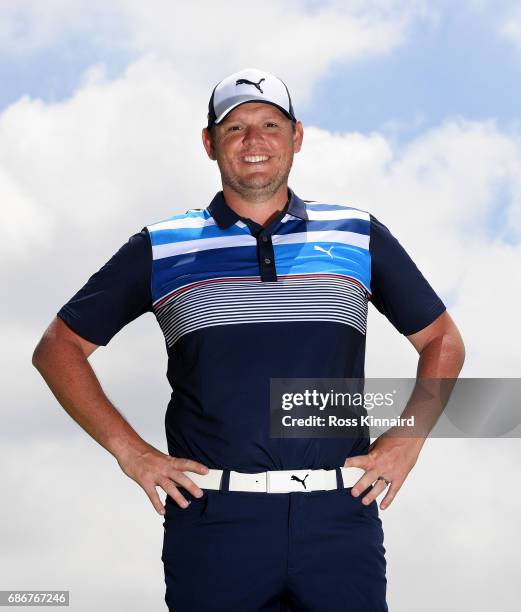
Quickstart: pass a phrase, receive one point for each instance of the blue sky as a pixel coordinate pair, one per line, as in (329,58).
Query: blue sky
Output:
(461,67)
(458,64)
(53,73)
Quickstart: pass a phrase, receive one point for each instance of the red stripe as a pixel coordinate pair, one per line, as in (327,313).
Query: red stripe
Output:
(180,290)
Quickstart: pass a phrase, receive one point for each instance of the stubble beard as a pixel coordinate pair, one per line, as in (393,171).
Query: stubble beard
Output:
(257,189)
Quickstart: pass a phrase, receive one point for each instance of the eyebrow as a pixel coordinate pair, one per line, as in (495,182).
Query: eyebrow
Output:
(266,117)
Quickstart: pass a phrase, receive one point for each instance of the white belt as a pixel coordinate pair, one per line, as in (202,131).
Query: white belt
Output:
(279,481)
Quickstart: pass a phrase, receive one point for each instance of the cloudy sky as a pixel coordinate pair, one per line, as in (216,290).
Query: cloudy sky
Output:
(411,111)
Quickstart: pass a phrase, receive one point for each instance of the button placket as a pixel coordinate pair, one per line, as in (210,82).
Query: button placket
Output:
(266,257)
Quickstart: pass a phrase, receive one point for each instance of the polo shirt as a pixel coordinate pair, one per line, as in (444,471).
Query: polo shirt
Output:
(239,303)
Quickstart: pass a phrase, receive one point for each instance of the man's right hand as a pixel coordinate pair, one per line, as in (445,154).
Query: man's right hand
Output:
(151,468)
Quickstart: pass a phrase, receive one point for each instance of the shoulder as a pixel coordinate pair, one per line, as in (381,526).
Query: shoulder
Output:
(381,237)
(324,210)
(191,218)
(343,222)
(184,228)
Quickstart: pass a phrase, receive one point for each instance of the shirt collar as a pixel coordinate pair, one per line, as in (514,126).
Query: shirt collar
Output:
(225,216)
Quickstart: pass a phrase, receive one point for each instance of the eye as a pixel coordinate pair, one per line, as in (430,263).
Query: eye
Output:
(233,128)
(271,124)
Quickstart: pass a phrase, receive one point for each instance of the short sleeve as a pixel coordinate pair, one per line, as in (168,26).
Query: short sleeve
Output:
(115,295)
(398,288)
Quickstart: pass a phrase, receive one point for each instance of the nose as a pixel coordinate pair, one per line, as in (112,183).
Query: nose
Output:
(252,133)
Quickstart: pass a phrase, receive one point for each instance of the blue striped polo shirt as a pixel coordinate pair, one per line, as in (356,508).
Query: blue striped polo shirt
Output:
(240,303)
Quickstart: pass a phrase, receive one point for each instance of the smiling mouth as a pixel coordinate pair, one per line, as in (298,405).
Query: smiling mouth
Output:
(255,159)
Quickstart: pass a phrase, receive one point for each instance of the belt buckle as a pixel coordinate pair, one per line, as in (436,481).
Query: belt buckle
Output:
(289,481)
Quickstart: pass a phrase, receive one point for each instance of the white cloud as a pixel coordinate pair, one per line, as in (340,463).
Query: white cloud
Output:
(510,28)
(297,42)
(276,36)
(448,525)
(439,196)
(69,519)
(29,25)
(113,149)
(28,223)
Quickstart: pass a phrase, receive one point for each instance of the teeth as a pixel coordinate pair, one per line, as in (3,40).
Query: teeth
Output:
(256,158)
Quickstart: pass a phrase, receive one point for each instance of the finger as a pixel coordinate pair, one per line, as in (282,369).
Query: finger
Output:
(187,465)
(155,499)
(169,487)
(378,487)
(360,461)
(391,494)
(366,481)
(182,480)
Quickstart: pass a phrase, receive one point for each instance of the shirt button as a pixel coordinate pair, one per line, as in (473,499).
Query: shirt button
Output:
(265,239)
(267,260)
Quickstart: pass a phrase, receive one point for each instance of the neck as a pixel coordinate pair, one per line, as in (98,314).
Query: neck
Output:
(261,210)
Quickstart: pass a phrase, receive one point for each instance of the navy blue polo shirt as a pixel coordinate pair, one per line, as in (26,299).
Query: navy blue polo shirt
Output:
(239,303)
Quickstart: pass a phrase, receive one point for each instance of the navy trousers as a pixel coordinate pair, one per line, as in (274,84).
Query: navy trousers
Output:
(234,551)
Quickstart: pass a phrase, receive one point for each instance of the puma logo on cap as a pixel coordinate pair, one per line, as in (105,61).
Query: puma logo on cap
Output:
(247,82)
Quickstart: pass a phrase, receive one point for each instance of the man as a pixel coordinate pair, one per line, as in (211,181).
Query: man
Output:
(258,285)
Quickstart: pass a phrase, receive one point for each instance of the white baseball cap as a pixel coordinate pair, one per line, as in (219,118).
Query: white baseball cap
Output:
(249,85)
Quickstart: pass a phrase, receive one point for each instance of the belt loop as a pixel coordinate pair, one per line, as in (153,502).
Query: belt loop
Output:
(225,480)
(339,479)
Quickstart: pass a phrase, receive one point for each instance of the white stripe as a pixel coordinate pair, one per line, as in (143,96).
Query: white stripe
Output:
(246,304)
(330,236)
(280,288)
(322,215)
(160,251)
(185,222)
(250,285)
(334,305)
(225,303)
(201,317)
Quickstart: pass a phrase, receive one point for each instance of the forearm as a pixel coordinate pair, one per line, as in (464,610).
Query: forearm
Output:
(69,375)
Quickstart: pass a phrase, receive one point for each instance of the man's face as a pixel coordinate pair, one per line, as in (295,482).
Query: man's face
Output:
(254,148)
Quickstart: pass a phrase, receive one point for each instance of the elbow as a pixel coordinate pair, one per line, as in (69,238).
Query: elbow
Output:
(460,359)
(37,355)
(455,351)
(463,352)
(442,353)
(443,356)
(45,347)
(42,352)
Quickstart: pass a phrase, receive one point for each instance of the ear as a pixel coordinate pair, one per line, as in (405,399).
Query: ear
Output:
(298,137)
(208,144)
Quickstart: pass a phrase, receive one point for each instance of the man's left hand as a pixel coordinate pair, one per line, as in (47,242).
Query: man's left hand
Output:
(392,458)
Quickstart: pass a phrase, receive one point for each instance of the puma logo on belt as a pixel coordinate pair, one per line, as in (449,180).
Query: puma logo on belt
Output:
(246,82)
(301,480)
